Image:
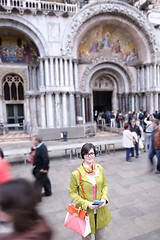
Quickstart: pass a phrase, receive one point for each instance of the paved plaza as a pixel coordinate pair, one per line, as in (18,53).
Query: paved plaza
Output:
(133,196)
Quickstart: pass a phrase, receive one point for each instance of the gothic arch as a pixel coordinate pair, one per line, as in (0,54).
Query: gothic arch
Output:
(120,12)
(27,28)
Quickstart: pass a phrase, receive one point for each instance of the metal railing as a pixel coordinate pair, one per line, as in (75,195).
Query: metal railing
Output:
(38,5)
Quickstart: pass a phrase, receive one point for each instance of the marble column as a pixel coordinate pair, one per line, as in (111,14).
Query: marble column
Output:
(61,72)
(86,109)
(49,110)
(89,109)
(144,103)
(57,72)
(66,72)
(27,109)
(78,110)
(52,71)
(151,76)
(156,101)
(120,102)
(34,111)
(140,102)
(71,72)
(57,109)
(83,109)
(147,77)
(151,103)
(30,78)
(43,111)
(41,71)
(148,102)
(65,112)
(158,78)
(126,102)
(142,79)
(138,80)
(34,79)
(72,109)
(133,103)
(155,76)
(47,83)
(76,76)
(114,100)
(1,109)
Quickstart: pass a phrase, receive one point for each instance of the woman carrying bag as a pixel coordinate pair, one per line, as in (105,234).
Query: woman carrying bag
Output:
(95,188)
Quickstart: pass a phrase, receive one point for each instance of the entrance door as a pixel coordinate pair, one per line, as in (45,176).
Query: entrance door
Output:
(15,115)
(102,101)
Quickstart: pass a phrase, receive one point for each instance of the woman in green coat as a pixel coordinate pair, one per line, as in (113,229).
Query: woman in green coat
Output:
(95,188)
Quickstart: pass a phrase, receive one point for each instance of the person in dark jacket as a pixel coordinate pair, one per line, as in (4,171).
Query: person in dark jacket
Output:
(18,202)
(136,129)
(41,166)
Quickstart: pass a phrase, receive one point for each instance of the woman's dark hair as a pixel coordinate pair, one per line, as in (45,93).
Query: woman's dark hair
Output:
(126,125)
(19,198)
(86,148)
(1,153)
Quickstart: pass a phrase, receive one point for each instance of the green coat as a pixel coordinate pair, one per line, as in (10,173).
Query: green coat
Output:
(103,214)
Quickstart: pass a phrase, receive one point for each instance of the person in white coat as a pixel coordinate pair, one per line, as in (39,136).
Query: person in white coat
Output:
(127,141)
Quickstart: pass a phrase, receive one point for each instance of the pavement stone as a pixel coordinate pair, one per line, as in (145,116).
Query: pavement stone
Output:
(133,196)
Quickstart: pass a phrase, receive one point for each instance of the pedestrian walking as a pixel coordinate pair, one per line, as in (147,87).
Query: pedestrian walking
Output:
(155,146)
(148,131)
(113,118)
(141,117)
(18,201)
(5,169)
(41,166)
(95,188)
(136,129)
(127,141)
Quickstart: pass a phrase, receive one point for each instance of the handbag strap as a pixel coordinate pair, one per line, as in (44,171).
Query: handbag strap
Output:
(80,179)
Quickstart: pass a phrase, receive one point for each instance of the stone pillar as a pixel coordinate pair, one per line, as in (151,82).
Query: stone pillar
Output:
(76,76)
(151,76)
(71,72)
(57,109)
(147,77)
(27,109)
(83,109)
(1,109)
(156,101)
(72,109)
(49,110)
(133,101)
(65,112)
(46,72)
(151,103)
(78,110)
(142,79)
(57,72)
(43,111)
(34,79)
(34,111)
(61,72)
(86,109)
(114,100)
(140,102)
(158,78)
(144,103)
(41,71)
(89,109)
(155,76)
(52,71)
(120,102)
(126,102)
(138,80)
(148,102)
(66,72)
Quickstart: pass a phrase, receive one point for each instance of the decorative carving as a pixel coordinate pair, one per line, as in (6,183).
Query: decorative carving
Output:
(108,7)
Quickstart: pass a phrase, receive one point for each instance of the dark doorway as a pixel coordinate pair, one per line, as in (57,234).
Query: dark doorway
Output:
(102,101)
(15,115)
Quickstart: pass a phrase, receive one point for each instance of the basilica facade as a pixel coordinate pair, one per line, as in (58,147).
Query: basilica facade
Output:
(61,62)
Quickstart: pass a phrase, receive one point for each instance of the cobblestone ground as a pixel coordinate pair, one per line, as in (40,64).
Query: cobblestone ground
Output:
(134,197)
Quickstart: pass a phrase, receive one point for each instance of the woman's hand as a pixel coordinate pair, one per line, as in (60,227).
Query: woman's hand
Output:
(91,206)
(104,204)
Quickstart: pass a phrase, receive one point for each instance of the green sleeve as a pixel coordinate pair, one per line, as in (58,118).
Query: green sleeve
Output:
(73,193)
(104,186)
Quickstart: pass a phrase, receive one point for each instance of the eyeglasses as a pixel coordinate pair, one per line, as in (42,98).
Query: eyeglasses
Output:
(90,154)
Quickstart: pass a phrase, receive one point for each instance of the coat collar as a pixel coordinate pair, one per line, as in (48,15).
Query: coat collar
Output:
(83,174)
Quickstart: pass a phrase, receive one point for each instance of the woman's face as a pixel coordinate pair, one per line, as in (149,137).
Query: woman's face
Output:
(89,157)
